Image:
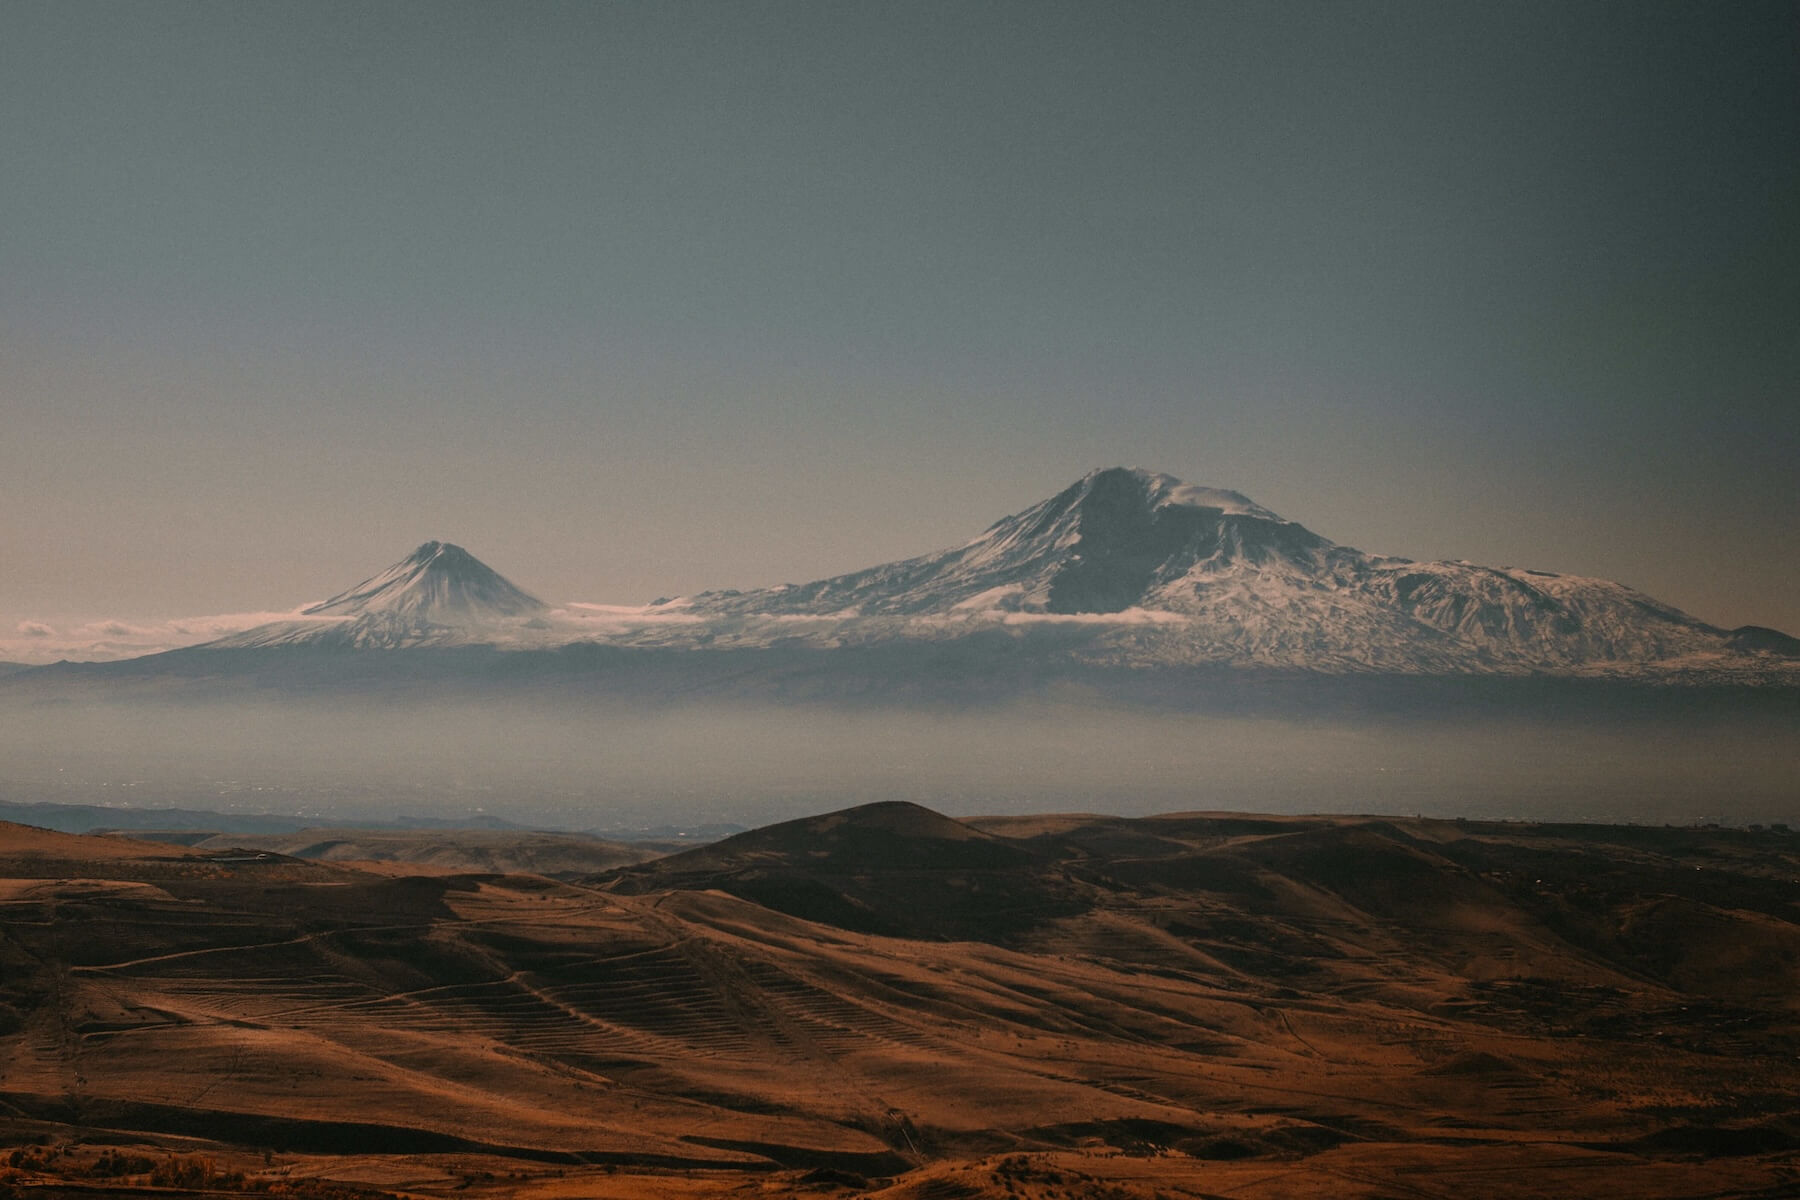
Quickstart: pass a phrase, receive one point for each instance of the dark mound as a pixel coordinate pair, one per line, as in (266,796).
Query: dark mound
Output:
(887,836)
(891,868)
(1756,639)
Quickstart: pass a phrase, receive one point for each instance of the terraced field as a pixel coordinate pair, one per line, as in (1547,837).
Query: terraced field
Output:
(1201,1005)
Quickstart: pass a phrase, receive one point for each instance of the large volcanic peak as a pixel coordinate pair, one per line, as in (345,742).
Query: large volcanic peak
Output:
(1135,489)
(437,582)
(1123,531)
(1101,545)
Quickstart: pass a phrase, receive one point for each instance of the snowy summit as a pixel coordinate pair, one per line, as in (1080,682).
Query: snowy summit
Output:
(438,582)
(440,594)
(1124,567)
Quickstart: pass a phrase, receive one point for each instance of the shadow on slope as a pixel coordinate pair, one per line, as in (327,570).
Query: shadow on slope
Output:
(891,868)
(1704,912)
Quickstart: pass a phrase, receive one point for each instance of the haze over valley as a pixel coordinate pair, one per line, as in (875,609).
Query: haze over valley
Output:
(1132,644)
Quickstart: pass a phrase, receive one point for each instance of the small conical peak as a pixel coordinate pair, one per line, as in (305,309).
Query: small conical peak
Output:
(439,582)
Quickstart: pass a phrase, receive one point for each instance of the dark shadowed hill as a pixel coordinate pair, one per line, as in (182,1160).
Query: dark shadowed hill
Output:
(1262,887)
(891,867)
(890,835)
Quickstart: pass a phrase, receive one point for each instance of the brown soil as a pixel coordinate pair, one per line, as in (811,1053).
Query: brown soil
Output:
(890,1003)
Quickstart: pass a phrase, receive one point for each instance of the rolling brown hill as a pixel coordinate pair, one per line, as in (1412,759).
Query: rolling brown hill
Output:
(449,851)
(889,1002)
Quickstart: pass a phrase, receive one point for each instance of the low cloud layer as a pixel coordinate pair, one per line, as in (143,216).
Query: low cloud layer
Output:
(109,638)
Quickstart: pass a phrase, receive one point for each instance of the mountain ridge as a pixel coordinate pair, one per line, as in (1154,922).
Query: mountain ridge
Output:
(1162,572)
(1124,568)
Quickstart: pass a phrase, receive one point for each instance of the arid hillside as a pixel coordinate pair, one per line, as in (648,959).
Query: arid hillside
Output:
(888,1002)
(445,851)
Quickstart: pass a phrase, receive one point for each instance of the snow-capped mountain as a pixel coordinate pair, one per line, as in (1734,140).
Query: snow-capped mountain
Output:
(1152,571)
(437,582)
(1111,541)
(1122,568)
(439,594)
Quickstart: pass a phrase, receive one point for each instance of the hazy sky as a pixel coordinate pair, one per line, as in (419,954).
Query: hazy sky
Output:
(640,298)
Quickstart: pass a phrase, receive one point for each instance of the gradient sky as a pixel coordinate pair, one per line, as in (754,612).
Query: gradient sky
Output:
(636,299)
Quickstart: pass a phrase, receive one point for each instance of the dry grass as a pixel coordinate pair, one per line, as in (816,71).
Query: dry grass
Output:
(1203,1005)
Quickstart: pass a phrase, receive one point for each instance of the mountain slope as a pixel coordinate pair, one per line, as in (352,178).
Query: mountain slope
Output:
(1181,1005)
(892,867)
(1102,545)
(439,582)
(1140,569)
(440,594)
(1122,569)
